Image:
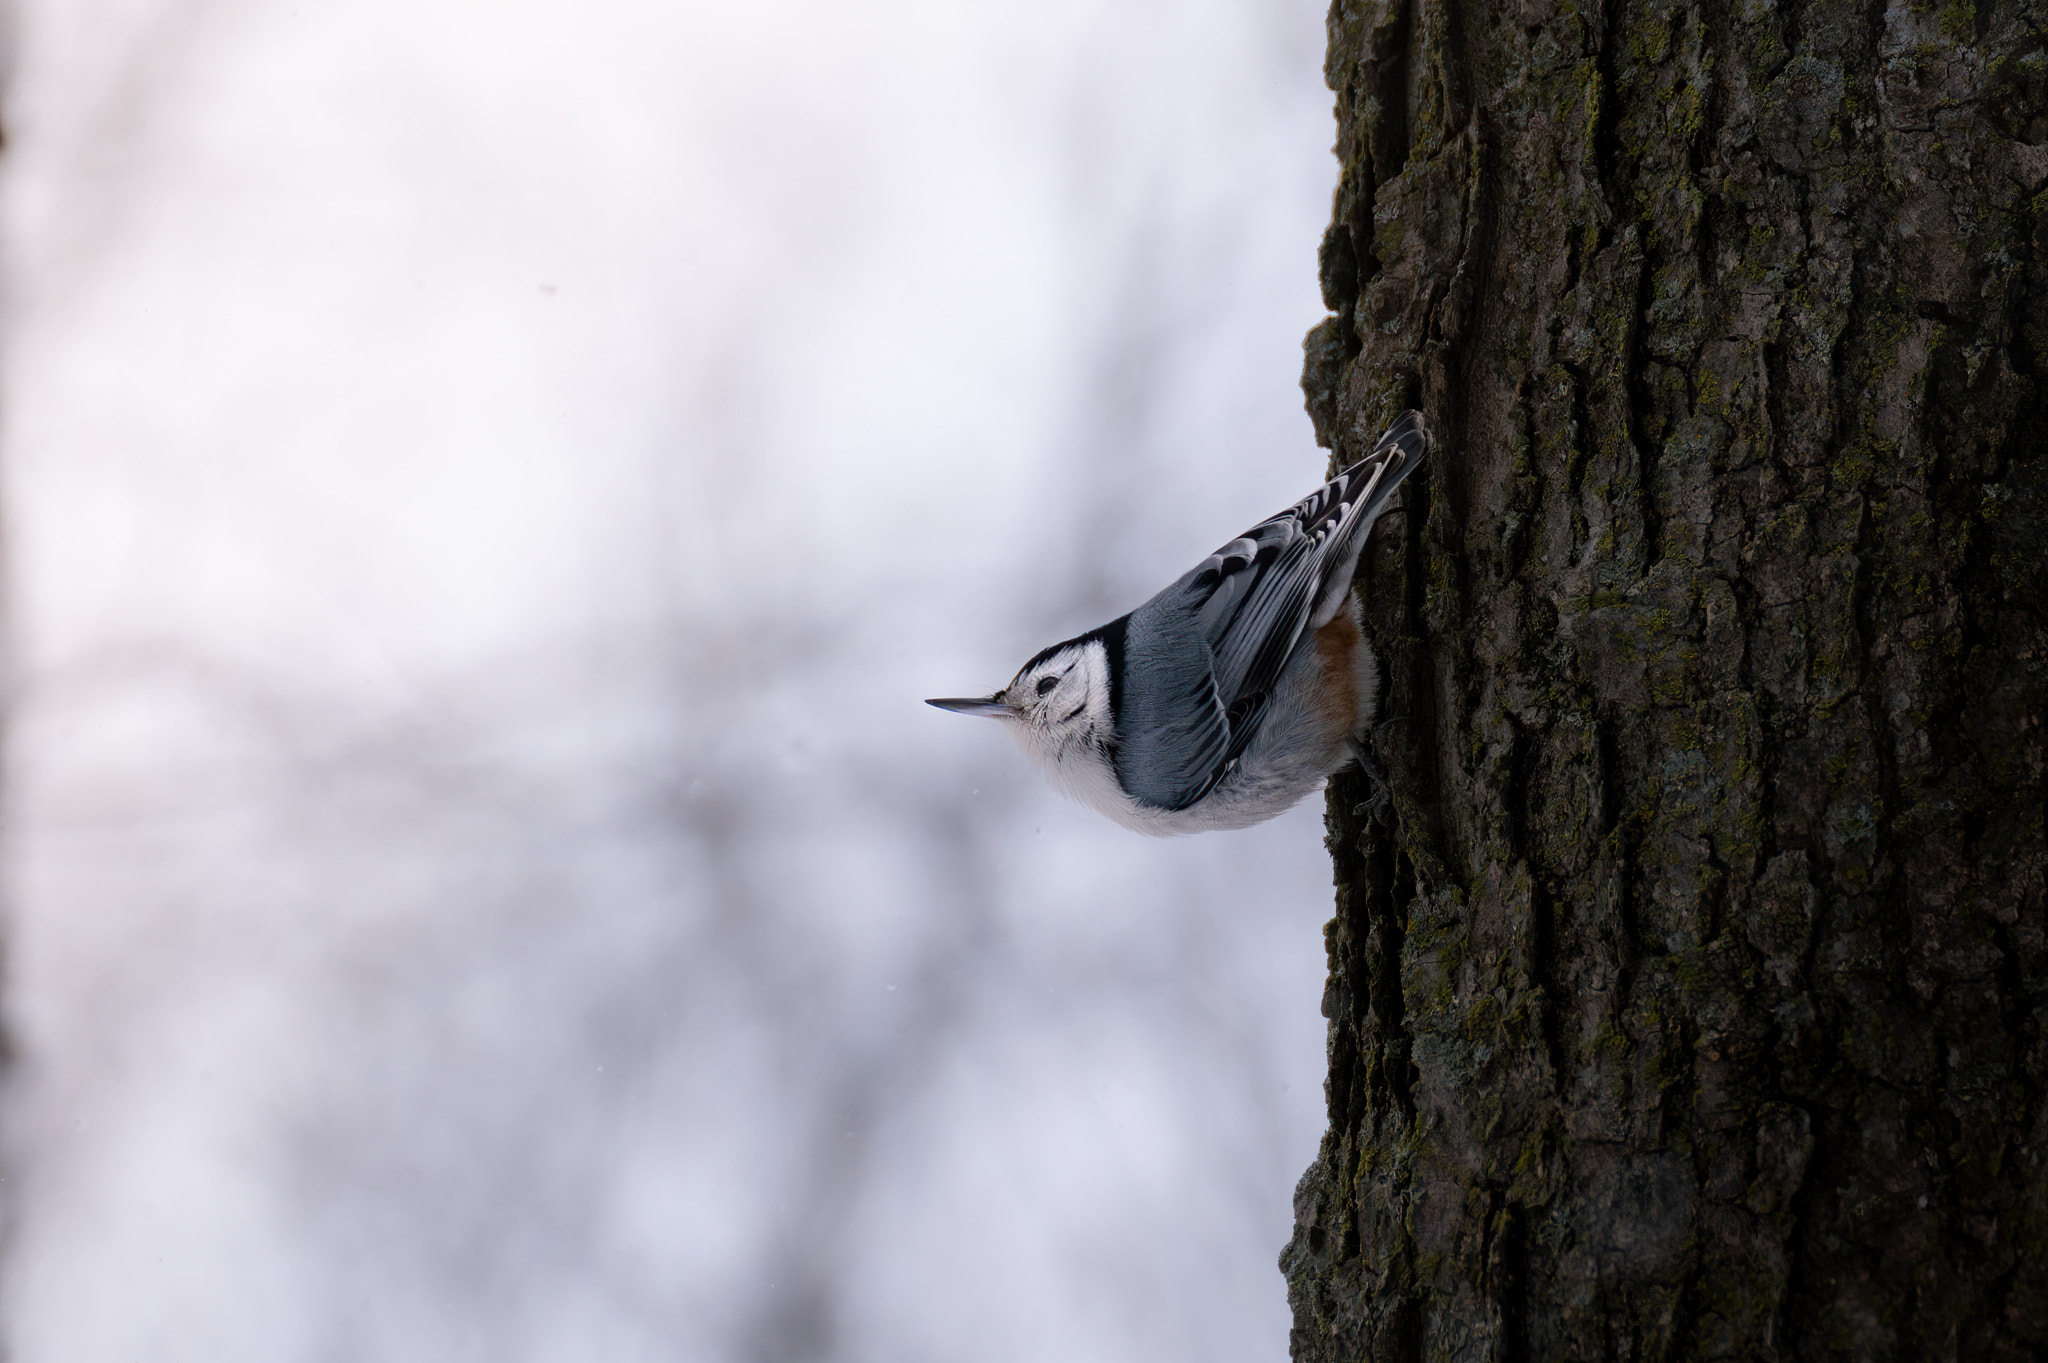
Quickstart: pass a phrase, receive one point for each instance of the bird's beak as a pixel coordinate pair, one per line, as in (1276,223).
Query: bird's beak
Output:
(992,706)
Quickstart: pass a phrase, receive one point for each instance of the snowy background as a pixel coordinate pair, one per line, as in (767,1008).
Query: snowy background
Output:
(487,487)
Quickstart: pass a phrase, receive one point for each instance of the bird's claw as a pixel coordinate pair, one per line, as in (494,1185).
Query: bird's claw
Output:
(1382,798)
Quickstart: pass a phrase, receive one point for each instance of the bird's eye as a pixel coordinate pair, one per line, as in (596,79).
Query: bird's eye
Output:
(1046,684)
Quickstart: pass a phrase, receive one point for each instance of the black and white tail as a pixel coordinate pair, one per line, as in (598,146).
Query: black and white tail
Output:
(1353,500)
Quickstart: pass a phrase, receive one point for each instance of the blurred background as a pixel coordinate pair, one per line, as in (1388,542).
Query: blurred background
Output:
(487,487)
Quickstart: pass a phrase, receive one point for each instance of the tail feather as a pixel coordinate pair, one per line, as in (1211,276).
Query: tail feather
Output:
(1372,481)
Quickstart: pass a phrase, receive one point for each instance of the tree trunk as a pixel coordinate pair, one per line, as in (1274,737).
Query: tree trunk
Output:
(1691,1005)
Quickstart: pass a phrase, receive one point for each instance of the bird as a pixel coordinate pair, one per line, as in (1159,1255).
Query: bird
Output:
(1235,692)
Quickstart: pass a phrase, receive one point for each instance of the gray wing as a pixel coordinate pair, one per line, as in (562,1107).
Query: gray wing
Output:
(1202,657)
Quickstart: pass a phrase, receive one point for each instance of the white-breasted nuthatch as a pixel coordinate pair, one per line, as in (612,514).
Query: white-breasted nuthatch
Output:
(1235,692)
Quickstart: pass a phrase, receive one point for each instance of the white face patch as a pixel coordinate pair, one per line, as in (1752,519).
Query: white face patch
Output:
(1059,711)
(1065,698)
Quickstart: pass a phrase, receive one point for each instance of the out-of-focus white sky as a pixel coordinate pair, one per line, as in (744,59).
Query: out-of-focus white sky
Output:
(486,489)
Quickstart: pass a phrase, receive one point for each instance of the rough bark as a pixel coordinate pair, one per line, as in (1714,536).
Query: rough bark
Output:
(1691,1006)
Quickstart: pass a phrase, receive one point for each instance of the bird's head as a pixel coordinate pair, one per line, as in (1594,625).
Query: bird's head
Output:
(1058,698)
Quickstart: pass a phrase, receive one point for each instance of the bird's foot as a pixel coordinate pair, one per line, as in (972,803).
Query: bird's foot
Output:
(1382,797)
